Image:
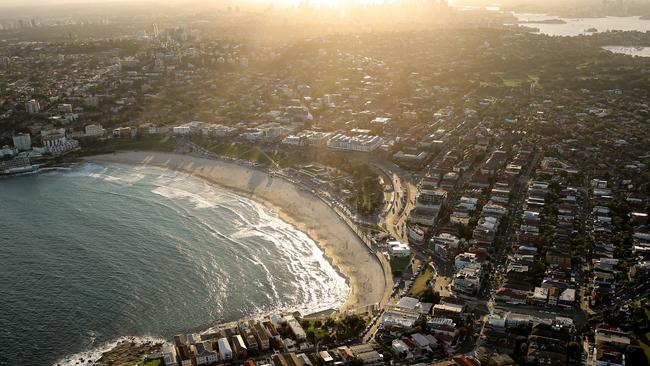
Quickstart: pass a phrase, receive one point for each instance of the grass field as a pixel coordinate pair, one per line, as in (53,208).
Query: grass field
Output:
(507,81)
(421,283)
(252,153)
(147,363)
(164,144)
(319,332)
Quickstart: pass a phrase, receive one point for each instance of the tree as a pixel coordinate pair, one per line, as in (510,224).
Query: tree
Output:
(536,273)
(356,362)
(326,339)
(311,336)
(430,295)
(574,348)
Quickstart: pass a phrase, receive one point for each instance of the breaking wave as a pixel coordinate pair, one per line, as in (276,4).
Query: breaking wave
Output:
(247,251)
(94,354)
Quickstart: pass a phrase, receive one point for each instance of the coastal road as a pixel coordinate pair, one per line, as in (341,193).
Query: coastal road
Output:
(403,196)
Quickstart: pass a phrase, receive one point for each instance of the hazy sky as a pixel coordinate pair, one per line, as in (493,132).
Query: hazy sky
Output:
(20,3)
(49,2)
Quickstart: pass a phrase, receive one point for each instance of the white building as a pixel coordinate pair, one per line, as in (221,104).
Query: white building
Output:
(95,130)
(252,135)
(494,209)
(169,355)
(397,249)
(399,318)
(181,130)
(53,137)
(460,217)
(445,244)
(431,198)
(407,303)
(326,357)
(422,215)
(216,130)
(61,146)
(316,138)
(363,143)
(415,234)
(204,353)
(445,322)
(296,328)
(464,259)
(428,204)
(32,106)
(125,132)
(272,131)
(539,295)
(294,140)
(307,138)
(400,349)
(55,142)
(225,352)
(468,203)
(381,121)
(468,279)
(65,108)
(7,152)
(486,229)
(22,141)
(157,130)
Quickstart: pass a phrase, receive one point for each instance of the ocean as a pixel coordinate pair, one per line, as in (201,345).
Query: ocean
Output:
(581,26)
(90,254)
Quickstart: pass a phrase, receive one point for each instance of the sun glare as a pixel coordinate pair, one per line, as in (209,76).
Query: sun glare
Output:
(333,3)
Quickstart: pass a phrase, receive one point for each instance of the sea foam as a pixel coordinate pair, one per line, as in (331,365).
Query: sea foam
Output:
(93,355)
(258,234)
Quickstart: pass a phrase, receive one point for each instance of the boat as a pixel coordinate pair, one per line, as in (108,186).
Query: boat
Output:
(591,30)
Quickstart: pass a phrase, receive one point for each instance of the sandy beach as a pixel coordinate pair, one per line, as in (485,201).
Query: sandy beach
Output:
(348,254)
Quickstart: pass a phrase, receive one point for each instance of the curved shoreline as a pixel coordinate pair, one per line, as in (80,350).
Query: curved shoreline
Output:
(368,280)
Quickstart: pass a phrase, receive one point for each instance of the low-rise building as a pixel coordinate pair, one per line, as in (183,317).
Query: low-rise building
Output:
(94,130)
(296,328)
(401,350)
(203,353)
(397,249)
(539,296)
(240,351)
(181,130)
(362,143)
(22,141)
(225,351)
(467,280)
(170,357)
(445,245)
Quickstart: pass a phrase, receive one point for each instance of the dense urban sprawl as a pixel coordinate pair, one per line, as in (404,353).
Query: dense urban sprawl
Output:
(502,174)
